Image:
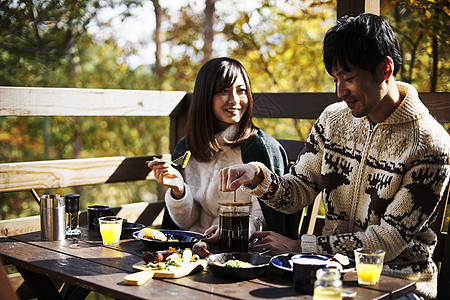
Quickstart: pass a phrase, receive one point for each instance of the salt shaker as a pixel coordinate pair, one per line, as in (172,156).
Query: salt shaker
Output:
(328,284)
(72,214)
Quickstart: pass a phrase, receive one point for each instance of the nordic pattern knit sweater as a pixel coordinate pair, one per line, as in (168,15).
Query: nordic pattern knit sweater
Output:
(380,185)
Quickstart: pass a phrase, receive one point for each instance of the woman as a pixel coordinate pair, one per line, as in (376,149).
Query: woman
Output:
(219,132)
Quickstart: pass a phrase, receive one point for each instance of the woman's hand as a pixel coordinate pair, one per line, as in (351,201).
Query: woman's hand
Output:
(168,176)
(277,243)
(212,234)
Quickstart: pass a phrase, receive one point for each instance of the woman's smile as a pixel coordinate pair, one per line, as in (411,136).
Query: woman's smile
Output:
(229,105)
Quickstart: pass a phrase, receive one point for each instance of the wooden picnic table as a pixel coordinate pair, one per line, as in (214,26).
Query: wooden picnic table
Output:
(83,264)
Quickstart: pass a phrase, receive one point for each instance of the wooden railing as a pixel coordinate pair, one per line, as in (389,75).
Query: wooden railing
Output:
(54,174)
(22,176)
(299,106)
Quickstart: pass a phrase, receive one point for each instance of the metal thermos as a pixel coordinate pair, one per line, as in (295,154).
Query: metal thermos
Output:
(53,218)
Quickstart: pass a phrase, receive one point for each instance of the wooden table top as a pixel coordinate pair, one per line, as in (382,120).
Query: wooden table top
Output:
(85,264)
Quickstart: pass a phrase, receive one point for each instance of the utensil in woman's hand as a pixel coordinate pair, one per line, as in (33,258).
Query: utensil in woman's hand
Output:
(182,160)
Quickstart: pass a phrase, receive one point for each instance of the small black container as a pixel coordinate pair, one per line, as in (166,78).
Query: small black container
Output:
(128,228)
(97,211)
(72,214)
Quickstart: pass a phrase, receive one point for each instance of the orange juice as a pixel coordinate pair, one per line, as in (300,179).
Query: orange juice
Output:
(368,273)
(110,229)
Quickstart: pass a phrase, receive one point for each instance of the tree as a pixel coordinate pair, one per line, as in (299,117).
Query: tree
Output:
(46,43)
(422,30)
(158,37)
(208,29)
(38,41)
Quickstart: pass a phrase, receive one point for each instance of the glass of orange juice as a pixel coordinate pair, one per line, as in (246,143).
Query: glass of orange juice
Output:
(110,229)
(369,264)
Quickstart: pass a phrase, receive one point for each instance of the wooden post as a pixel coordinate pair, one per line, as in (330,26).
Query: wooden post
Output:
(355,7)
(178,119)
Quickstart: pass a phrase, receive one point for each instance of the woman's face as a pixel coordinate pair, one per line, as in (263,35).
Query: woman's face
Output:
(230,104)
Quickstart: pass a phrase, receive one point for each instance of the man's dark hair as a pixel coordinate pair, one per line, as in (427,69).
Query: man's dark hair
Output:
(363,41)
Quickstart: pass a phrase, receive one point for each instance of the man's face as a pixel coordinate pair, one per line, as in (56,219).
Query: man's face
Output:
(359,89)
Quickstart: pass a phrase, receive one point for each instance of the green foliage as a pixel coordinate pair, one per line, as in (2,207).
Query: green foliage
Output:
(38,40)
(282,52)
(422,30)
(46,43)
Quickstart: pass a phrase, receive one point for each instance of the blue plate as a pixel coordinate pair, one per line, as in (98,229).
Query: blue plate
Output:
(176,239)
(284,262)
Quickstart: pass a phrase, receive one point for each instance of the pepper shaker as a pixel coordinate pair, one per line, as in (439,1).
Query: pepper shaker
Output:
(72,214)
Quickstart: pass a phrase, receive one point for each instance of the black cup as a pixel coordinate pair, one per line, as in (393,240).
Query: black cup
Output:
(305,267)
(97,211)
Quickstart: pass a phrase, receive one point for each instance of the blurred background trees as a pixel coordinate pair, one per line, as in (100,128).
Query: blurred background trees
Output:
(75,44)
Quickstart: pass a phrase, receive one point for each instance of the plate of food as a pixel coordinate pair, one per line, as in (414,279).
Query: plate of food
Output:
(163,238)
(238,265)
(168,264)
(339,261)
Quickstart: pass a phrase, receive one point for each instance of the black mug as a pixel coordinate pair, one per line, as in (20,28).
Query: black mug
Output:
(305,267)
(96,211)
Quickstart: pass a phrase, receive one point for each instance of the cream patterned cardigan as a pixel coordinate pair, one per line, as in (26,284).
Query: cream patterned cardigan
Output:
(380,186)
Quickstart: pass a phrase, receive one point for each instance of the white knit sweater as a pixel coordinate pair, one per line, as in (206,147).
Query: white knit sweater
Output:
(380,185)
(199,208)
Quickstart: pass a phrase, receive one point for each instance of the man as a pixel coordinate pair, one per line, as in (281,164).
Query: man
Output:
(379,158)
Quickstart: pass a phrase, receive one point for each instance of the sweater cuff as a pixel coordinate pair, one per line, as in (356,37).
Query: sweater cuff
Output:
(263,186)
(309,243)
(177,202)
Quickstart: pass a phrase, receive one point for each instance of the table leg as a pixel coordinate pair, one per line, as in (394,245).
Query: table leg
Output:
(40,284)
(70,292)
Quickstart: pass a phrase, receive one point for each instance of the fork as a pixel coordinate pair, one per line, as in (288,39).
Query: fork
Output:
(182,160)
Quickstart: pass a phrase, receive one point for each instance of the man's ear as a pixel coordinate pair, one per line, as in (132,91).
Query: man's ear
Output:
(388,67)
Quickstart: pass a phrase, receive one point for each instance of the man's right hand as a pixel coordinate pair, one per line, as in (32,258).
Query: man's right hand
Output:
(231,178)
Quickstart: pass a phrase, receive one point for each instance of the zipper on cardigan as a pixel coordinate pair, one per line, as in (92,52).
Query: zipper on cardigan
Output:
(359,175)
(371,126)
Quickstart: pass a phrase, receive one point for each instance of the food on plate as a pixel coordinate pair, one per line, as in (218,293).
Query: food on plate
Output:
(153,234)
(340,258)
(160,266)
(156,256)
(195,258)
(187,255)
(201,249)
(338,261)
(234,263)
(168,259)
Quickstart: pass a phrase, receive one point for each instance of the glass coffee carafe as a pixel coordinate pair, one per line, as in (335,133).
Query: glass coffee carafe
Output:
(234,226)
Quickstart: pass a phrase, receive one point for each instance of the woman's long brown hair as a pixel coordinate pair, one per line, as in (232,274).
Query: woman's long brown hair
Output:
(201,127)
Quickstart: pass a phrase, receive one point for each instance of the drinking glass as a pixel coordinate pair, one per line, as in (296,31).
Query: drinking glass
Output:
(369,264)
(110,230)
